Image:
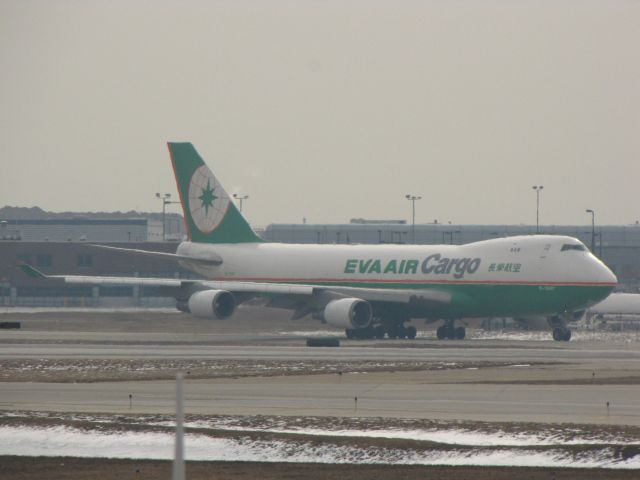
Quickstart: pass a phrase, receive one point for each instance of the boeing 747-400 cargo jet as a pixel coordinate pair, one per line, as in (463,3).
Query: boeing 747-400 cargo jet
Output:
(369,290)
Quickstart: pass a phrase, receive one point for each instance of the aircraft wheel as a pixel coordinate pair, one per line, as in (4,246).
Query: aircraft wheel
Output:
(558,334)
(567,336)
(442,332)
(411,332)
(378,332)
(350,332)
(396,331)
(366,333)
(460,333)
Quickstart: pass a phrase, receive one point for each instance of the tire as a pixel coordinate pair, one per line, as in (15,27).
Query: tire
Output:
(379,332)
(441,332)
(351,334)
(558,334)
(411,332)
(460,333)
(365,333)
(392,333)
(567,336)
(323,342)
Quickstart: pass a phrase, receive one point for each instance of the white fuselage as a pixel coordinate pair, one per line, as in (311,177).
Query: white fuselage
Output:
(525,259)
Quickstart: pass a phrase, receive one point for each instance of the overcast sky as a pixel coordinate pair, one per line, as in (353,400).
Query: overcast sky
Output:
(327,110)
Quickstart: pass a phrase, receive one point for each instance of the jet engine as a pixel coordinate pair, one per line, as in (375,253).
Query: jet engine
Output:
(348,313)
(211,304)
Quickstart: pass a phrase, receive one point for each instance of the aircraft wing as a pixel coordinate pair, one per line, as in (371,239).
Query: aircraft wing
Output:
(318,293)
(210,259)
(237,287)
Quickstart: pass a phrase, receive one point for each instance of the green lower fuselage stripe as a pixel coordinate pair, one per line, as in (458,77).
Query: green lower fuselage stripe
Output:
(491,299)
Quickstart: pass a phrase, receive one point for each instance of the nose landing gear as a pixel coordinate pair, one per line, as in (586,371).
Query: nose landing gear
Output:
(561,333)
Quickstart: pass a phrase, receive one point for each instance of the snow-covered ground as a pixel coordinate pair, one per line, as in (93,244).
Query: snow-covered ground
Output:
(448,436)
(629,336)
(602,336)
(310,439)
(65,441)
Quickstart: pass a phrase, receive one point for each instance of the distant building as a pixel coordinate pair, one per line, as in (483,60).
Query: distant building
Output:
(365,221)
(79,258)
(79,229)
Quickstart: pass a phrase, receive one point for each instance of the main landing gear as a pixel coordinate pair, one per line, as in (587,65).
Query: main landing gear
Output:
(561,333)
(379,331)
(450,331)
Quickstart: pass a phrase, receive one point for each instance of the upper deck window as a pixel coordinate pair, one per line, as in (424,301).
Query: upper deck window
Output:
(571,246)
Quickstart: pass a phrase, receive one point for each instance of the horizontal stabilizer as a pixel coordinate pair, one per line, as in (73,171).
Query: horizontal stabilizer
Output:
(31,271)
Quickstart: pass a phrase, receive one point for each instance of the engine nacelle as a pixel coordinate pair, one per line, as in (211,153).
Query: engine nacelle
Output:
(212,304)
(348,313)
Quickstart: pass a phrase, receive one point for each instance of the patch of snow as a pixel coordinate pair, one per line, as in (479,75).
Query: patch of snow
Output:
(310,333)
(545,335)
(63,441)
(446,436)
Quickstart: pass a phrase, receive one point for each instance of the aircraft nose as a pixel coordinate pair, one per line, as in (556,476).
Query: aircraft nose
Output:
(604,274)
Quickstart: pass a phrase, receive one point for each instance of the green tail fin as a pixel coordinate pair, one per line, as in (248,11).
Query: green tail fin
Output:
(210,215)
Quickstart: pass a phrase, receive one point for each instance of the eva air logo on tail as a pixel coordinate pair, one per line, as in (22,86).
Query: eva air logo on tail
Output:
(208,202)
(210,216)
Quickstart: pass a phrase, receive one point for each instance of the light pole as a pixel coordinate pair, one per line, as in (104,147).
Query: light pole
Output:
(537,188)
(412,199)
(241,198)
(165,201)
(593,230)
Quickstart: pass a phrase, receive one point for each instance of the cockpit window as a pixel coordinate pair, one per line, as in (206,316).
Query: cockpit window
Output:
(570,246)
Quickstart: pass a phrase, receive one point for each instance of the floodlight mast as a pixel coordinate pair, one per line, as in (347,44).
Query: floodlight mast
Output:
(412,199)
(239,197)
(537,188)
(593,230)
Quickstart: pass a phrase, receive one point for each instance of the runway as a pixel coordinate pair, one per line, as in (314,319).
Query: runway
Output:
(489,380)
(75,384)
(384,351)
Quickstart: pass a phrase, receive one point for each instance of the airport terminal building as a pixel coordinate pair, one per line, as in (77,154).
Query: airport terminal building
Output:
(617,246)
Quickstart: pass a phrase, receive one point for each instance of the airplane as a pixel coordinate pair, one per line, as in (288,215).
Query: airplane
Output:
(618,306)
(369,290)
